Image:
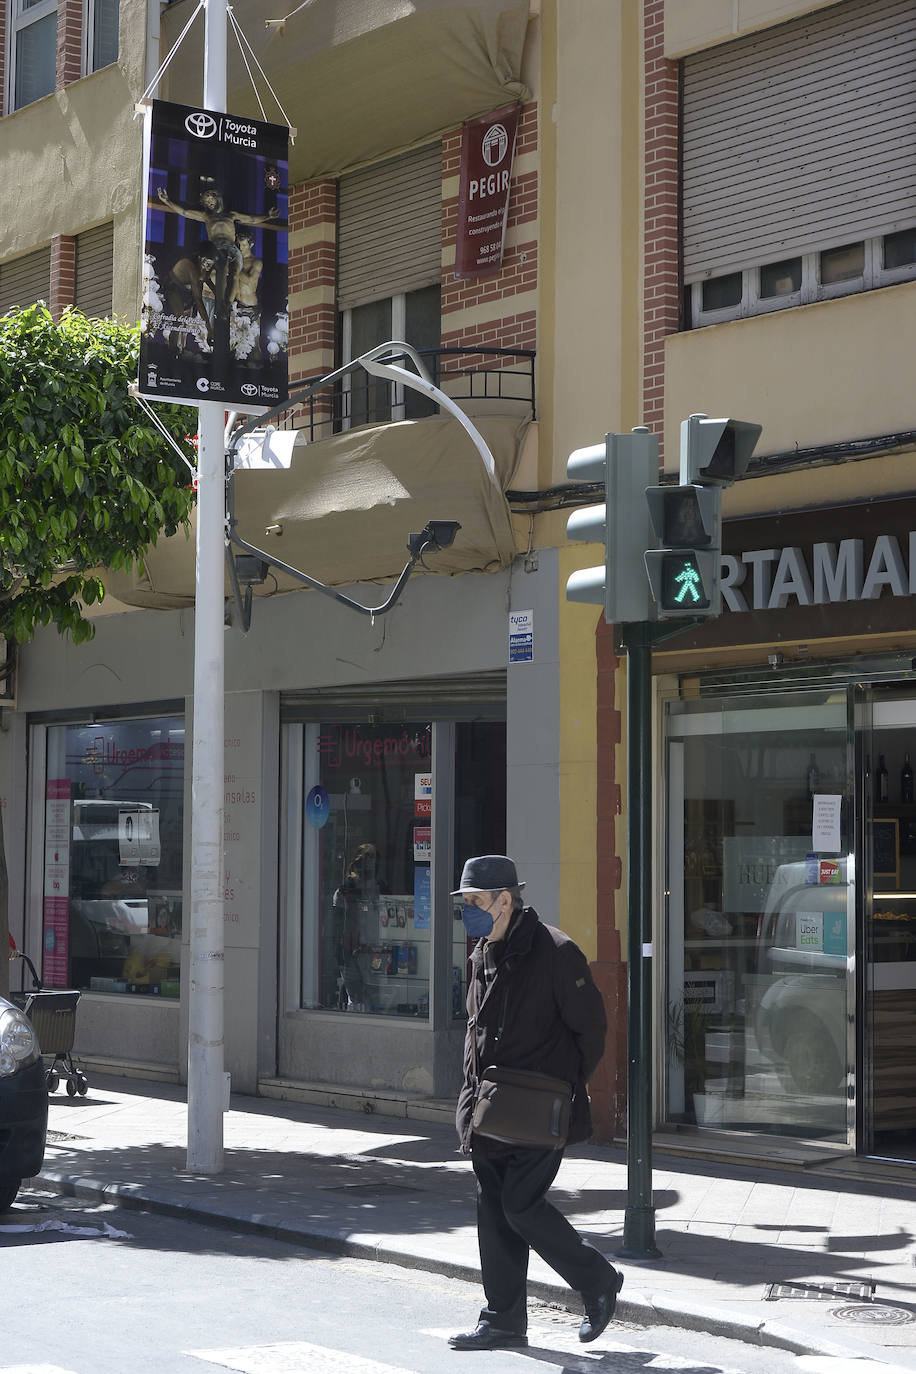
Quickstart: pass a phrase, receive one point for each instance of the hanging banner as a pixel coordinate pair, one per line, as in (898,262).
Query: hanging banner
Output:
(214,323)
(487,145)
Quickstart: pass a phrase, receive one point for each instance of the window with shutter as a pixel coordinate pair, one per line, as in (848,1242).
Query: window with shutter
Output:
(25,280)
(94,259)
(798,160)
(388,275)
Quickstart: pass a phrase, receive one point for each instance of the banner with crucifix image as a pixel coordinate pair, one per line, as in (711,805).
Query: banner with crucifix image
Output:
(214,321)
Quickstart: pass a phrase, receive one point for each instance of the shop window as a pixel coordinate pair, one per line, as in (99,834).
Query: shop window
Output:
(374,897)
(760,927)
(368,922)
(33,50)
(114,822)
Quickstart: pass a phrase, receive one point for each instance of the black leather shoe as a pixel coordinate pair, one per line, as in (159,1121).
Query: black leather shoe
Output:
(487,1337)
(599,1310)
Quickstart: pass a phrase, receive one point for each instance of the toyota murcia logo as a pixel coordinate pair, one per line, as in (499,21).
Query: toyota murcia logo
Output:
(249,389)
(200,125)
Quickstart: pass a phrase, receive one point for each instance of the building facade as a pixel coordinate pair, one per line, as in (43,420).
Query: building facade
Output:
(364,759)
(712,209)
(780,253)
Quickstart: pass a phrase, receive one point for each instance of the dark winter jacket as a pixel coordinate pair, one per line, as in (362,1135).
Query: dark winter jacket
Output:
(542,1011)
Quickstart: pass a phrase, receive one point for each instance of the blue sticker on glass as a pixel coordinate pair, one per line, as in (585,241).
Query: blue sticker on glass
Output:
(317,807)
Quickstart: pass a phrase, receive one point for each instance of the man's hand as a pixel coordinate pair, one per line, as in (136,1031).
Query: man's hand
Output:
(162,193)
(273,212)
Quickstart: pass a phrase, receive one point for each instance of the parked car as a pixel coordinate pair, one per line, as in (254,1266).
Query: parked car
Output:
(23,1103)
(800,1019)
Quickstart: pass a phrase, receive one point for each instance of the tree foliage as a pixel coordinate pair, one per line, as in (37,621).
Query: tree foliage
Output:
(86,481)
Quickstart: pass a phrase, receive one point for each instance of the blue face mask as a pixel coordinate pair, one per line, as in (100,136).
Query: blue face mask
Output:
(477,923)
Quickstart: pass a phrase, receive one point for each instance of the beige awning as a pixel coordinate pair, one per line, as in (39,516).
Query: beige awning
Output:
(361,81)
(347,504)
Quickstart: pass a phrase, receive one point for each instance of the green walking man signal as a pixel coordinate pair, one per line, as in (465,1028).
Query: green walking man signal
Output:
(684,574)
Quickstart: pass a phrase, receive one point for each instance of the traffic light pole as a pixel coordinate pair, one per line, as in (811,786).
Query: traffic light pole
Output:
(639,1217)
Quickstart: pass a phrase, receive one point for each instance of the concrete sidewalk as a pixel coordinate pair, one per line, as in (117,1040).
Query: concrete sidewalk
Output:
(397,1190)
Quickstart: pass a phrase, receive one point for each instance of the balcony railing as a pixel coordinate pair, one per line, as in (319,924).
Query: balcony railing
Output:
(492,381)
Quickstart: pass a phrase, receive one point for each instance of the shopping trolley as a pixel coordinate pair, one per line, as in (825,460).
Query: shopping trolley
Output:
(53,1016)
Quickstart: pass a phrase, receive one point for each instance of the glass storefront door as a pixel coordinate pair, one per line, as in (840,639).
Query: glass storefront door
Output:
(887,758)
(361,875)
(760,877)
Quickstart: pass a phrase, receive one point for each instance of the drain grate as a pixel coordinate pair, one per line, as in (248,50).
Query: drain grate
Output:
(875,1315)
(864,1289)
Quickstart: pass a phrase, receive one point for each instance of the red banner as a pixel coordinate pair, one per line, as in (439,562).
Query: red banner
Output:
(487,145)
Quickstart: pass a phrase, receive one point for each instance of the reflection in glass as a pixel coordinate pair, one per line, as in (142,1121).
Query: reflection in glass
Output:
(720,293)
(114,829)
(780,278)
(758,938)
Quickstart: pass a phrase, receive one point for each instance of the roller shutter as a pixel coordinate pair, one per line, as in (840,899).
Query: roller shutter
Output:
(94,259)
(389,235)
(479,696)
(800,138)
(25,280)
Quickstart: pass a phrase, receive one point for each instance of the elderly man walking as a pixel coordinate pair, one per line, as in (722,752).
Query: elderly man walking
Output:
(532,1005)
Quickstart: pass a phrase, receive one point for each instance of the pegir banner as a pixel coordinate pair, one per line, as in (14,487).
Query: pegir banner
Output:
(487,145)
(214,323)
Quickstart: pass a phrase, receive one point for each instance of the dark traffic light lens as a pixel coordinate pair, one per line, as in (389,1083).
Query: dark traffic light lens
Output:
(683,523)
(682,583)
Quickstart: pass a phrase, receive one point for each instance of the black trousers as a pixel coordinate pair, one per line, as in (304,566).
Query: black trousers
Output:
(513,1218)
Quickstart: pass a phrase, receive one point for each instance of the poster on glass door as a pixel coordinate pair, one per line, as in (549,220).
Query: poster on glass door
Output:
(214,321)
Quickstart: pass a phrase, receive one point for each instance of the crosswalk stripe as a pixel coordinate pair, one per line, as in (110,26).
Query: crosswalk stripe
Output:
(294,1357)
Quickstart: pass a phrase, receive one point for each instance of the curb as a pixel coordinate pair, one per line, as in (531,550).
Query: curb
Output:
(652,1310)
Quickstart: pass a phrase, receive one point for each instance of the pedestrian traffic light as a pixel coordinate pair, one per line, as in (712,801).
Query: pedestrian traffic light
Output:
(626,464)
(684,574)
(716,450)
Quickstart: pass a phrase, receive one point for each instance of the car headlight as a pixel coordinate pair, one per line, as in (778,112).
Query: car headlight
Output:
(18,1042)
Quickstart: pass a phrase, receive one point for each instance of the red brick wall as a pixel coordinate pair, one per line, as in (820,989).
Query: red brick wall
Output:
(3,10)
(519,272)
(63,273)
(313,264)
(69,42)
(661,288)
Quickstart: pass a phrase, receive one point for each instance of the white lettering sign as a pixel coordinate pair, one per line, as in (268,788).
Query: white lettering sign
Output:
(771,579)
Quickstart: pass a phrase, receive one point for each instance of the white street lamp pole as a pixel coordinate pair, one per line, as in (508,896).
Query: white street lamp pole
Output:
(207,1086)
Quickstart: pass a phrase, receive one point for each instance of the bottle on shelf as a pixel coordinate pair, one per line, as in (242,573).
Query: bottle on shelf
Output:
(881,781)
(906,780)
(813,775)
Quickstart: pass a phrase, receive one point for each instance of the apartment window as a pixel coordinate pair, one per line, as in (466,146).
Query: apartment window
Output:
(797,168)
(389,273)
(33,50)
(101,33)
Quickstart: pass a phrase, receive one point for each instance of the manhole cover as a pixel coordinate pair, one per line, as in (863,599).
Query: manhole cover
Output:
(873,1314)
(822,1291)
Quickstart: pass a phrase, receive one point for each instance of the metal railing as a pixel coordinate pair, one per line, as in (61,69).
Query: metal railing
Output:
(353,397)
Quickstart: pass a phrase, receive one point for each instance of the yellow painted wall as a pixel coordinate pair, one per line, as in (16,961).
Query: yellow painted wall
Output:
(72,161)
(694,24)
(817,374)
(588,350)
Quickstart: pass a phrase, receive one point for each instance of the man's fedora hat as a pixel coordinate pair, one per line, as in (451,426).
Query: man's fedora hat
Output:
(487,873)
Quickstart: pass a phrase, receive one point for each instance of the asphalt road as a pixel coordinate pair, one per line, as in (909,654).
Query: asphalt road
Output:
(170,1295)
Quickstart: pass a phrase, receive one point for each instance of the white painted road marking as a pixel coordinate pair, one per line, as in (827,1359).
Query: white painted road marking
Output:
(294,1357)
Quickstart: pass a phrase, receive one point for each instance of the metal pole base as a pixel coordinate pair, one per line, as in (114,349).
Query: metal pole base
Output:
(639,1235)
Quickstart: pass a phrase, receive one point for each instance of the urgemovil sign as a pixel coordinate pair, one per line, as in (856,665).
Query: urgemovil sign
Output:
(815,575)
